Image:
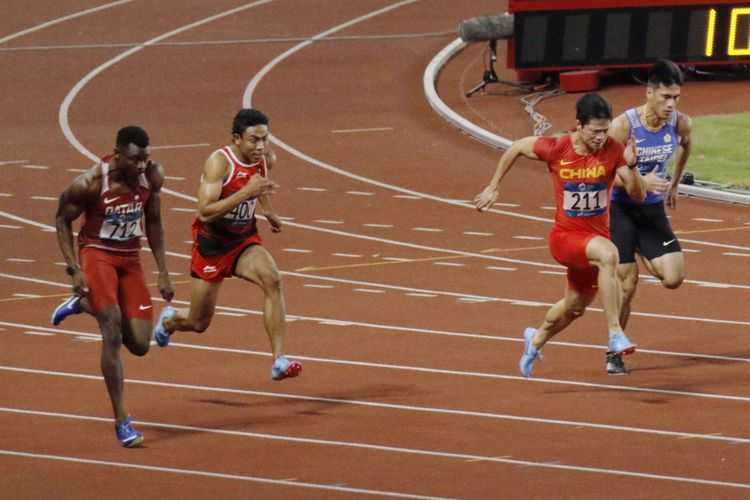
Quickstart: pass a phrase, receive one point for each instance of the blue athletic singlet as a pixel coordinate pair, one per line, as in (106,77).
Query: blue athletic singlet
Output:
(653,150)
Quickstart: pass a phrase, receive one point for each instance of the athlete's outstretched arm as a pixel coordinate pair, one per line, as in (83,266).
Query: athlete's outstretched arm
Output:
(684,129)
(73,201)
(210,206)
(521,147)
(155,229)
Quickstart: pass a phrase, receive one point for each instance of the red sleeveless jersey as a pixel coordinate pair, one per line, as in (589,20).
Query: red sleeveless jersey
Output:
(239,224)
(582,183)
(115,221)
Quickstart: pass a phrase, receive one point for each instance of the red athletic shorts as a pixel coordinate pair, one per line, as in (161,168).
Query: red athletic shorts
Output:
(217,267)
(569,249)
(116,278)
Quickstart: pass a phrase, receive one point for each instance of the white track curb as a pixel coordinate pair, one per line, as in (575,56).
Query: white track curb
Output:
(498,142)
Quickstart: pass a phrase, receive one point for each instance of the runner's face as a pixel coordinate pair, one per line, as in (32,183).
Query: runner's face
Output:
(132,159)
(663,100)
(594,133)
(252,143)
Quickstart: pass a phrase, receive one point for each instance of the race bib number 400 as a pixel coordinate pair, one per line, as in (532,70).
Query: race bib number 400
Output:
(585,200)
(242,213)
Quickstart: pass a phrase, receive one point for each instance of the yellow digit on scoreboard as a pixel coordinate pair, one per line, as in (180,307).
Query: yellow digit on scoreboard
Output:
(710,33)
(732,46)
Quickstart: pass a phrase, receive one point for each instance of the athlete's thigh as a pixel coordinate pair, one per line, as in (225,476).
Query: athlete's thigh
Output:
(623,231)
(134,299)
(655,235)
(255,264)
(203,297)
(101,277)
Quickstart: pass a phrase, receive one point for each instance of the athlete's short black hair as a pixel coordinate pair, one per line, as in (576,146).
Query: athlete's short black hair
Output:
(247,117)
(592,107)
(132,134)
(665,72)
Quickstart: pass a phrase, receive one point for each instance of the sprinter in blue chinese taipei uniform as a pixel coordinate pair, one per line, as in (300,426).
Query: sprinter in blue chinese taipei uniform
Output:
(660,133)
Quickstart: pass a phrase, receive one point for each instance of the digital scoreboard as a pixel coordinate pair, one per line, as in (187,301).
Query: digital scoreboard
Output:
(563,35)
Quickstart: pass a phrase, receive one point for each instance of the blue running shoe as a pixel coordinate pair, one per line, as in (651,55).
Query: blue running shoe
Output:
(129,437)
(71,305)
(160,333)
(620,344)
(530,353)
(283,368)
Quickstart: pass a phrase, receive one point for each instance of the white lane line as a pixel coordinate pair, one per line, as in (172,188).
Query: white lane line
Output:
(41,334)
(36,167)
(407,196)
(174,178)
(394,406)
(382,226)
(368,290)
(472,299)
(508,205)
(504,459)
(397,259)
(294,250)
(718,245)
(329,221)
(6,195)
(347,255)
(212,475)
(76,170)
(286,218)
(477,233)
(706,219)
(232,314)
(427,229)
(19,259)
(556,273)
(27,295)
(500,268)
(63,113)
(180,209)
(171,273)
(9,226)
(421,295)
(360,193)
(13,162)
(313,285)
(358,130)
(548,207)
(62,19)
(449,264)
(691,250)
(736,254)
(45,198)
(313,189)
(533,238)
(410,368)
(181,146)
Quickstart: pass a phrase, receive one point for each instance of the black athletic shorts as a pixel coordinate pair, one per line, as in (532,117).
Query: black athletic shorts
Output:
(641,228)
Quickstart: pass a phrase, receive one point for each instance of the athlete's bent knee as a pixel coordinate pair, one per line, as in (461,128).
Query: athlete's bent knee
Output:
(271,279)
(672,282)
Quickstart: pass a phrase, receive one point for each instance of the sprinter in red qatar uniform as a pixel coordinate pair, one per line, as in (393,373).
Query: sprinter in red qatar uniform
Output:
(116,196)
(226,240)
(583,165)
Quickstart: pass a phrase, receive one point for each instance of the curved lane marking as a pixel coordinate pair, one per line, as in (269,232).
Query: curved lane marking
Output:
(63,19)
(65,106)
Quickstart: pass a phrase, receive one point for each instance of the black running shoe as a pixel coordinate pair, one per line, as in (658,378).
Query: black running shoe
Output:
(615,364)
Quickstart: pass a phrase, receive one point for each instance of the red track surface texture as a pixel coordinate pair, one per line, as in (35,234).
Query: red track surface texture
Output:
(407,310)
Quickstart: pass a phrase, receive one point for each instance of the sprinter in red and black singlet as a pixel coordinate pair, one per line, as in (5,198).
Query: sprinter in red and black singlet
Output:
(226,240)
(583,165)
(217,243)
(119,198)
